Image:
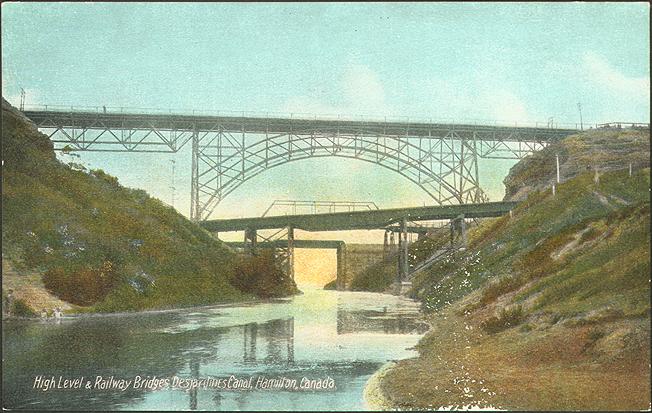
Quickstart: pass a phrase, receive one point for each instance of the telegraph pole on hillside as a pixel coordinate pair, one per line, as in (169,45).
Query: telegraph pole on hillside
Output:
(579,107)
(173,187)
(22,99)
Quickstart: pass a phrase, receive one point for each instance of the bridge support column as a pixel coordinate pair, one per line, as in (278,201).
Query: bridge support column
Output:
(463,230)
(403,265)
(291,252)
(251,240)
(386,250)
(341,267)
(194,180)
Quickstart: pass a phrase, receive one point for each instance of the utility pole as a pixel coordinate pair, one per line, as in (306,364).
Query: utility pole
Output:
(173,187)
(579,107)
(22,99)
(557,159)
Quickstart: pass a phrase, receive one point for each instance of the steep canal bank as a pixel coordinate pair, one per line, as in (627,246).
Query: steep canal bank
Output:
(75,238)
(548,309)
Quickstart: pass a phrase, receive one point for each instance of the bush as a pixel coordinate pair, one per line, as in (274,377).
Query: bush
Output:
(82,286)
(509,317)
(495,289)
(21,309)
(261,275)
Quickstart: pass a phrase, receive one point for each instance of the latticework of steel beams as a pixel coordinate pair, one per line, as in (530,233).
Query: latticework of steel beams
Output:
(442,159)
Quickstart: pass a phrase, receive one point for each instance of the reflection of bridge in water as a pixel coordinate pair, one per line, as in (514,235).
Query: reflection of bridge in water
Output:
(277,351)
(383,321)
(279,335)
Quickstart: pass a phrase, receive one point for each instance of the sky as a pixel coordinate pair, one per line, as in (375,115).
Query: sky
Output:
(489,62)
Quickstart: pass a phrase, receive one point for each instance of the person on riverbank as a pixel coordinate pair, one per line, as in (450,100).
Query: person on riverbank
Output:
(57,314)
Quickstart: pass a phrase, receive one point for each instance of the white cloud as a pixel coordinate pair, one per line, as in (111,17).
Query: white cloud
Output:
(602,73)
(363,90)
(473,101)
(505,106)
(360,90)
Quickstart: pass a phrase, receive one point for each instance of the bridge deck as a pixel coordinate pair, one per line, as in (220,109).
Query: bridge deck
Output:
(297,243)
(262,125)
(374,219)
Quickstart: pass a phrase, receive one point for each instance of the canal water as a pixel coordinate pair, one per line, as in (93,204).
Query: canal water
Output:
(311,352)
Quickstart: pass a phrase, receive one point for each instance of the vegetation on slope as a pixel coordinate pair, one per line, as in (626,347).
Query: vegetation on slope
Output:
(380,276)
(548,309)
(105,247)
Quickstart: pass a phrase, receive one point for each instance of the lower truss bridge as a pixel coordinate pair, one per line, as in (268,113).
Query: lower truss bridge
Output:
(395,219)
(230,148)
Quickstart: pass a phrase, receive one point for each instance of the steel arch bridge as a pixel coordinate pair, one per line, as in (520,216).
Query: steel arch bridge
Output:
(228,150)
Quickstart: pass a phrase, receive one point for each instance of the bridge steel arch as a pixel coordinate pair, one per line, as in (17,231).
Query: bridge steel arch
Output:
(228,150)
(445,169)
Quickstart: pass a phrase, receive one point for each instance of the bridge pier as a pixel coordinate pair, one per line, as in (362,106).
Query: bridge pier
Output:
(341,267)
(291,251)
(403,264)
(458,225)
(251,239)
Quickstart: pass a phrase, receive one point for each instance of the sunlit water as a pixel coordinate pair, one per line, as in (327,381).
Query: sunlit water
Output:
(319,335)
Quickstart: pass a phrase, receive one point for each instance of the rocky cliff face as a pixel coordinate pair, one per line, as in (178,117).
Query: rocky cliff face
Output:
(598,150)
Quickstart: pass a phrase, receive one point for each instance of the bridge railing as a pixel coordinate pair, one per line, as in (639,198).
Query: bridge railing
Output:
(302,116)
(317,206)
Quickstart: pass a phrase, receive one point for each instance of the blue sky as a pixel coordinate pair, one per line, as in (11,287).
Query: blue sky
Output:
(495,62)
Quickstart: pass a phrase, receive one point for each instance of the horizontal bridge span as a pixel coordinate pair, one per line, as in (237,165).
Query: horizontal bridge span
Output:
(375,219)
(297,243)
(262,125)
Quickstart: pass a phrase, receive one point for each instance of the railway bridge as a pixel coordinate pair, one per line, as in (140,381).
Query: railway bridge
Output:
(230,148)
(354,220)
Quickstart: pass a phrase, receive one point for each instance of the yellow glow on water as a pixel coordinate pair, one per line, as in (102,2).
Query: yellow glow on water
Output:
(314,266)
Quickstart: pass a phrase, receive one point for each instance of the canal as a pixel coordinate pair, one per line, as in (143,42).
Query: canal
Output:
(314,351)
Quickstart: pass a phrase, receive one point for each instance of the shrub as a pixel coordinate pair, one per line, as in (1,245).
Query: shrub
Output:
(21,309)
(495,289)
(261,275)
(83,285)
(508,317)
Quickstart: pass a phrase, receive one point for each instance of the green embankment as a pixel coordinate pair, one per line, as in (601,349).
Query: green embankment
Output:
(104,247)
(548,309)
(380,276)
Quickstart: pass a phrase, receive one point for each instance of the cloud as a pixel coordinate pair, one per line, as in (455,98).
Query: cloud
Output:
(363,90)
(505,106)
(602,73)
(360,92)
(458,100)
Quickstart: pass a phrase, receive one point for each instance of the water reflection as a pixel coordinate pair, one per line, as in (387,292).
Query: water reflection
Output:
(344,336)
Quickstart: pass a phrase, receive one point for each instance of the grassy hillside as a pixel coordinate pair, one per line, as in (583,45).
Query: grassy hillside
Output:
(549,309)
(104,247)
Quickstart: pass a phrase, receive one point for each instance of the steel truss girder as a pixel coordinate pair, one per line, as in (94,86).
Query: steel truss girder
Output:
(441,159)
(226,161)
